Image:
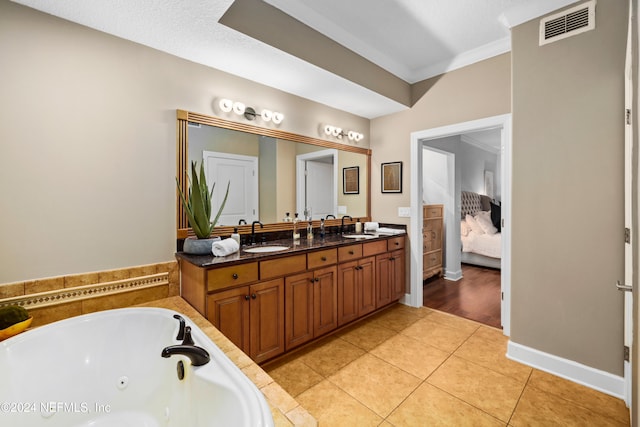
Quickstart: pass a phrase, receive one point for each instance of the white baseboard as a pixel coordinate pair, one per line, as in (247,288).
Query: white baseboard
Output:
(568,369)
(453,275)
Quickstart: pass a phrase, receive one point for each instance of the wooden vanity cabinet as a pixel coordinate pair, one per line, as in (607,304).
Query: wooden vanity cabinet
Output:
(356,289)
(267,307)
(252,317)
(390,272)
(310,305)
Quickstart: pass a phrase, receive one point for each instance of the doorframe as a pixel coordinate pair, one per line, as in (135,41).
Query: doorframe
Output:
(300,177)
(417,141)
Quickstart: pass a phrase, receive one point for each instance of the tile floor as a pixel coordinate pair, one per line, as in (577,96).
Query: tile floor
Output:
(420,367)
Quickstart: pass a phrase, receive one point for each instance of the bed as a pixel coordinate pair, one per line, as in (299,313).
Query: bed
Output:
(480,230)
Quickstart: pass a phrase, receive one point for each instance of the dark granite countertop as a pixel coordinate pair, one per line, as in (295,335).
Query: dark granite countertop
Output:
(301,246)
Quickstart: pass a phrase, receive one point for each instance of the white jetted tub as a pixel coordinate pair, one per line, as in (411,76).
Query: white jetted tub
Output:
(112,368)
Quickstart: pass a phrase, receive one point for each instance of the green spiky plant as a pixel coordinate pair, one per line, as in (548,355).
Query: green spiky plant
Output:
(197,205)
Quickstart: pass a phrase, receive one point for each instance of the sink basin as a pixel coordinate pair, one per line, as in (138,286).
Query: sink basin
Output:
(265,249)
(359,236)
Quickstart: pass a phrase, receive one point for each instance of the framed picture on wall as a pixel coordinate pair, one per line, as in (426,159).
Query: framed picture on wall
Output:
(351,180)
(391,174)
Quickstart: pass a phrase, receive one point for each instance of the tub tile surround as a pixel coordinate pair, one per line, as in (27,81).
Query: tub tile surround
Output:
(65,308)
(432,368)
(285,409)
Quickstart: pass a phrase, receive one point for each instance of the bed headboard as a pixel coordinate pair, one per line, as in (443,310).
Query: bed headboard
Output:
(472,202)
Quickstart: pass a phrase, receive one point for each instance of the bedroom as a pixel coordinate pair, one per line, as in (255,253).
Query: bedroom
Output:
(463,174)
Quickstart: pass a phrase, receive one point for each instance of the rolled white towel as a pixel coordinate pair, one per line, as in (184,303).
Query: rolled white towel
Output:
(371,226)
(224,247)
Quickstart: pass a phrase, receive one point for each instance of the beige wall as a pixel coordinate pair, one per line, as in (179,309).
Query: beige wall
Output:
(474,92)
(88,155)
(568,152)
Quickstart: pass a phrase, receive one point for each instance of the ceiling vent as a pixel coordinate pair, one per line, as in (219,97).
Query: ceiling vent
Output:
(568,23)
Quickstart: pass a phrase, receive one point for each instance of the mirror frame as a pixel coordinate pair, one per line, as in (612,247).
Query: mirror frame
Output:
(185,117)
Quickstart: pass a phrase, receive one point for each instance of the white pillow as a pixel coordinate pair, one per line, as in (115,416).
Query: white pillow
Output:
(464,228)
(474,224)
(484,221)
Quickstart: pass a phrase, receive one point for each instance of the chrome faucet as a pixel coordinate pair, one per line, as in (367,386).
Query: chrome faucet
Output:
(198,355)
(253,231)
(342,223)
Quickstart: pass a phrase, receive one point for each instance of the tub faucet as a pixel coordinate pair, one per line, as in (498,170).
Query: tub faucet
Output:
(253,231)
(198,355)
(342,223)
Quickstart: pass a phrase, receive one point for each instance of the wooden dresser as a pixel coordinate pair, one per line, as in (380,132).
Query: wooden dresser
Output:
(432,240)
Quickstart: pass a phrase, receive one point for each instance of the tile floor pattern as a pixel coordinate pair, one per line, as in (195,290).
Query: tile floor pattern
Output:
(420,367)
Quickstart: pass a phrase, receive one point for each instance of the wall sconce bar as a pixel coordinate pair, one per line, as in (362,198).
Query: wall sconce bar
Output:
(337,132)
(250,113)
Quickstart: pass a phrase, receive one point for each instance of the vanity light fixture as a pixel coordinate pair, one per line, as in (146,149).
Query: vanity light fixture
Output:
(250,113)
(337,132)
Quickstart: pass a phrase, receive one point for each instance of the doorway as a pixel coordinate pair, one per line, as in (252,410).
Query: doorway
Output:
(418,140)
(316,183)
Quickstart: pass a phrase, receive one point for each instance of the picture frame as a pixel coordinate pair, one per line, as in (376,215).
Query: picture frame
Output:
(391,174)
(351,180)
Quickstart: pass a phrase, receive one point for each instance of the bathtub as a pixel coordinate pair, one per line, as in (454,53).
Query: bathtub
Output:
(105,369)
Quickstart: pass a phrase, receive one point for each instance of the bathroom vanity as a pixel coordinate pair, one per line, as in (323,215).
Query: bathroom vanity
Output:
(270,303)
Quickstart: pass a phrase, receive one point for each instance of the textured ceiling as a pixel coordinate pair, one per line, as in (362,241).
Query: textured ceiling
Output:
(412,39)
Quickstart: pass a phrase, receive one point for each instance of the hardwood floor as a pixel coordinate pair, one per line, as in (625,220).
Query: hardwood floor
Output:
(476,296)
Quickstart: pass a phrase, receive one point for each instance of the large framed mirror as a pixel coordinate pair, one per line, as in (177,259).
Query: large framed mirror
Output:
(271,172)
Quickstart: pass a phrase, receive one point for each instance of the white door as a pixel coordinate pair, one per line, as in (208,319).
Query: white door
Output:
(319,188)
(241,172)
(628,215)
(316,181)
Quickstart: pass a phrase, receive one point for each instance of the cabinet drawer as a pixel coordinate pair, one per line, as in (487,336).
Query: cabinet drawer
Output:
(434,259)
(224,277)
(432,211)
(374,248)
(347,253)
(322,258)
(433,225)
(282,266)
(395,243)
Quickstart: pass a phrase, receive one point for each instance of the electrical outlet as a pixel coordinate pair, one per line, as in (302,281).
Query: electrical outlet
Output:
(404,212)
(342,210)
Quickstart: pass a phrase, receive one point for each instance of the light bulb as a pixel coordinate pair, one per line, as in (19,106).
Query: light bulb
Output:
(238,108)
(266,115)
(277,117)
(328,129)
(226,105)
(336,131)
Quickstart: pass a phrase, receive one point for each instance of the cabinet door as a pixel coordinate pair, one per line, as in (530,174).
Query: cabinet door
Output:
(267,319)
(229,312)
(348,297)
(366,286)
(384,294)
(398,273)
(325,300)
(298,309)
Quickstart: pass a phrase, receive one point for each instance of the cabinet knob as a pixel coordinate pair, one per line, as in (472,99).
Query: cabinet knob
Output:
(235,276)
(392,258)
(254,296)
(397,243)
(311,280)
(246,297)
(324,258)
(350,252)
(316,279)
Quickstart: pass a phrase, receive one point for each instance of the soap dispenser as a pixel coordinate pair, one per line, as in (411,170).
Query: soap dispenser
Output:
(235,236)
(310,230)
(322,228)
(358,226)
(287,217)
(296,231)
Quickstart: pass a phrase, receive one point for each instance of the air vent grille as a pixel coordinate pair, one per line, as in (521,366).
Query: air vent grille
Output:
(568,23)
